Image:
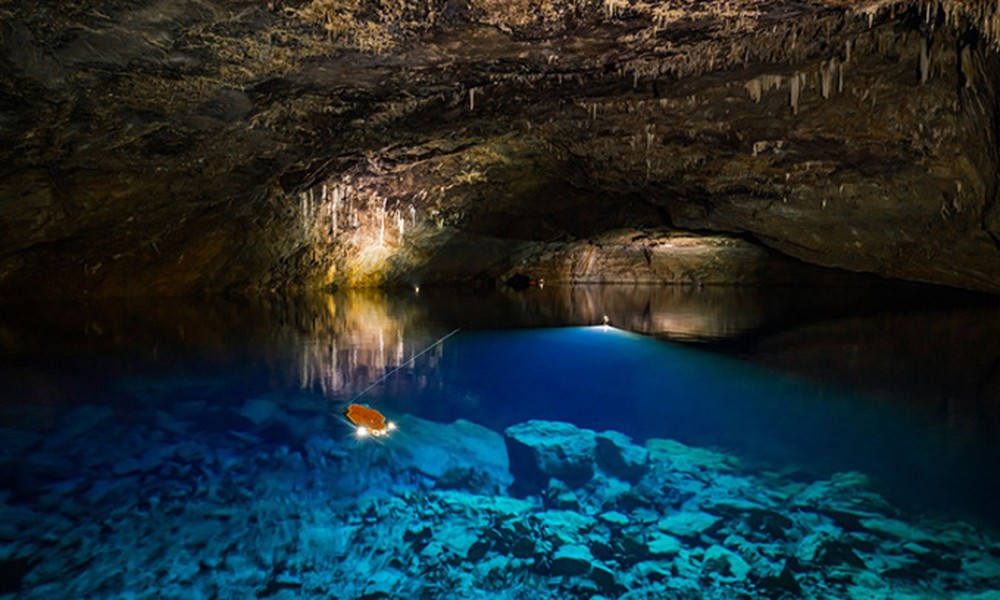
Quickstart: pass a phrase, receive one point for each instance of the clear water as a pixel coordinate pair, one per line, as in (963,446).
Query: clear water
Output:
(781,443)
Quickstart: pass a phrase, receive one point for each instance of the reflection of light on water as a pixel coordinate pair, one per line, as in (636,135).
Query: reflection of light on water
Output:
(677,312)
(358,337)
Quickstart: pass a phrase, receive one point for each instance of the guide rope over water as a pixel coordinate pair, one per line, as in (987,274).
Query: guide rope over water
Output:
(368,421)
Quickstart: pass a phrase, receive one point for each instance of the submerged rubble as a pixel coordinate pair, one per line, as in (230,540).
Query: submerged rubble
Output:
(281,502)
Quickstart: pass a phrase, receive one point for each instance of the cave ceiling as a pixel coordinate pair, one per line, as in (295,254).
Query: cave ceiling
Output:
(175,147)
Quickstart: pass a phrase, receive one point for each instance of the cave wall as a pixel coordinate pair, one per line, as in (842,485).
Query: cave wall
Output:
(156,148)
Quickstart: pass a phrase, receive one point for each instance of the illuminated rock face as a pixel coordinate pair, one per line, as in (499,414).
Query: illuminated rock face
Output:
(165,148)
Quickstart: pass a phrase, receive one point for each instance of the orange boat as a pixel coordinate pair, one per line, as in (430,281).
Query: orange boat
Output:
(368,421)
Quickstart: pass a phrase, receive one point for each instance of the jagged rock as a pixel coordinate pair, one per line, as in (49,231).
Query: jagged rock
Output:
(981,567)
(652,571)
(824,548)
(566,526)
(931,559)
(540,450)
(769,524)
(614,518)
(384,583)
(680,457)
(566,501)
(260,411)
(571,560)
(895,528)
(848,493)
(462,448)
(330,538)
(726,564)
(781,584)
(523,547)
(631,549)
(663,546)
(619,457)
(320,449)
(458,538)
(605,579)
(477,551)
(687,524)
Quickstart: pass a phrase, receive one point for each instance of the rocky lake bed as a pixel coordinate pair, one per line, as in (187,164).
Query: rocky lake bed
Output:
(274,497)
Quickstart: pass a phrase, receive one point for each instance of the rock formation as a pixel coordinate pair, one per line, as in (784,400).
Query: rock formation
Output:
(152,147)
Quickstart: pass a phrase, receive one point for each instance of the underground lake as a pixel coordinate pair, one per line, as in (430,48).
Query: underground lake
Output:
(703,442)
(500,299)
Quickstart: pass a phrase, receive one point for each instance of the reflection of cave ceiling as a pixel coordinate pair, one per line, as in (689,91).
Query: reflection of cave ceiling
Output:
(191,146)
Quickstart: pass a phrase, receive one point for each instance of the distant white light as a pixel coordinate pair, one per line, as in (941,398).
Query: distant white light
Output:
(416,289)
(361,432)
(390,426)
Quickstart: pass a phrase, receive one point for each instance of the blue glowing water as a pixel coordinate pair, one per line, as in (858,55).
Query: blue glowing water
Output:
(605,378)
(197,450)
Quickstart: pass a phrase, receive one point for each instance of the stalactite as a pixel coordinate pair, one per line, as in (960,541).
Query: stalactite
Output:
(793,96)
(764,83)
(826,75)
(381,228)
(965,67)
(336,207)
(925,61)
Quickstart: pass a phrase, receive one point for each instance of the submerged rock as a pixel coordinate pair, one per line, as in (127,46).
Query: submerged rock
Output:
(662,545)
(894,528)
(572,559)
(617,456)
(680,457)
(725,564)
(540,450)
(566,526)
(558,496)
(260,411)
(454,453)
(687,524)
(615,518)
(605,580)
(781,584)
(826,549)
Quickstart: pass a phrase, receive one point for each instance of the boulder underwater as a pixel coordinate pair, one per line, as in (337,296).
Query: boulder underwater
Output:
(541,451)
(452,453)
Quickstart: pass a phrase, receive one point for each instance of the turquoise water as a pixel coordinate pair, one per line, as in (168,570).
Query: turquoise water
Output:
(606,378)
(197,449)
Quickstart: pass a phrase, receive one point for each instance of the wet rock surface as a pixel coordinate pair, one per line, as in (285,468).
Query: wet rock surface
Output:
(150,148)
(192,510)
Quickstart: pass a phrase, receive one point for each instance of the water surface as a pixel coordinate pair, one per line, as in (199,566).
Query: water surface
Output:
(115,410)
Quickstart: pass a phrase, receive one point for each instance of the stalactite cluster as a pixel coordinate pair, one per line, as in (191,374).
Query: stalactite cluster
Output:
(205,147)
